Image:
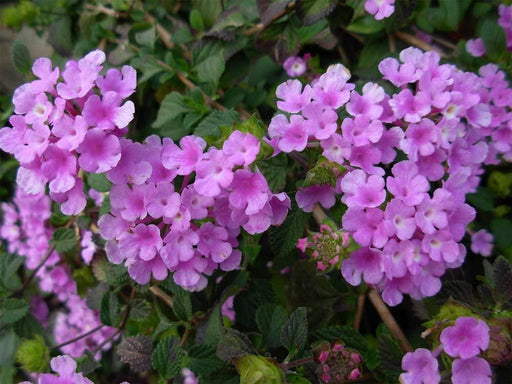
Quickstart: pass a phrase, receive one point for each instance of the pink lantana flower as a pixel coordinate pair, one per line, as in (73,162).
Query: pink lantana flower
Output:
(466,338)
(475,47)
(421,368)
(380,8)
(472,370)
(65,367)
(481,242)
(295,66)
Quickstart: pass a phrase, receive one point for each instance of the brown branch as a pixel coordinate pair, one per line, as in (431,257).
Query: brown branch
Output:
(163,34)
(78,337)
(162,295)
(411,39)
(34,272)
(389,320)
(359,312)
(102,9)
(318,214)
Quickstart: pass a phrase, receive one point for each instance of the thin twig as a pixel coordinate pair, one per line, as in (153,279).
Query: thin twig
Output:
(184,337)
(34,272)
(78,337)
(162,295)
(163,34)
(359,312)
(446,43)
(410,39)
(389,320)
(318,214)
(102,9)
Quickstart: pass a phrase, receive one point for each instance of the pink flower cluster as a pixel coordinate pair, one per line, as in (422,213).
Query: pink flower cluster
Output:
(448,124)
(27,233)
(380,9)
(462,341)
(60,127)
(192,230)
(65,367)
(337,363)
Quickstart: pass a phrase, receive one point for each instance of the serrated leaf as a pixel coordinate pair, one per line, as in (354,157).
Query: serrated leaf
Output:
(13,310)
(182,305)
(283,239)
(64,240)
(296,378)
(21,57)
(201,351)
(140,309)
(274,169)
(310,11)
(503,280)
(173,105)
(389,356)
(209,63)
(270,319)
(88,363)
(109,311)
(137,352)
(98,182)
(460,291)
(167,356)
(209,9)
(295,331)
(214,327)
(348,335)
(234,344)
(209,126)
(205,366)
(116,275)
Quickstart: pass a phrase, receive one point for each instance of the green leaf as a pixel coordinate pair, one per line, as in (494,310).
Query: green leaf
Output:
(167,357)
(502,280)
(209,10)
(9,342)
(258,370)
(494,39)
(109,310)
(172,107)
(295,331)
(460,291)
(98,182)
(196,21)
(140,309)
(64,240)
(105,206)
(9,265)
(283,239)
(146,37)
(482,199)
(137,352)
(348,335)
(60,36)
(182,304)
(209,126)
(274,169)
(234,344)
(500,227)
(389,364)
(210,64)
(33,355)
(296,378)
(311,11)
(270,319)
(227,21)
(88,363)
(13,310)
(21,57)
(365,25)
(270,10)
(214,327)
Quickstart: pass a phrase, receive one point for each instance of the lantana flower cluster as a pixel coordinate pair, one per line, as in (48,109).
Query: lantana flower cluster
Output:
(27,232)
(191,230)
(463,341)
(408,216)
(63,126)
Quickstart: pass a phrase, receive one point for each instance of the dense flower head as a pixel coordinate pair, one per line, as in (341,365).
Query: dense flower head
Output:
(26,229)
(442,119)
(337,363)
(63,126)
(155,230)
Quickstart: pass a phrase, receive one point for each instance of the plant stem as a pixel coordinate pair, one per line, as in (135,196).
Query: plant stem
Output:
(411,39)
(34,272)
(78,337)
(389,320)
(296,363)
(359,311)
(162,295)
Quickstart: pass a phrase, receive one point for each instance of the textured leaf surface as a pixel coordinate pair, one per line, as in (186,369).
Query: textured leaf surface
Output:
(136,351)
(295,331)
